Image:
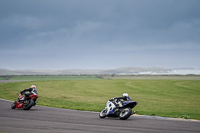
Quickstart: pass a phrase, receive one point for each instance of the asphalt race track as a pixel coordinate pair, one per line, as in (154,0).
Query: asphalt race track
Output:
(53,120)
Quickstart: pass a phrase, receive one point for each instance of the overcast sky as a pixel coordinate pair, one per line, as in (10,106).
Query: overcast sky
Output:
(99,34)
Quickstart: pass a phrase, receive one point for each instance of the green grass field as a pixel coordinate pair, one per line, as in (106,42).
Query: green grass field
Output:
(161,97)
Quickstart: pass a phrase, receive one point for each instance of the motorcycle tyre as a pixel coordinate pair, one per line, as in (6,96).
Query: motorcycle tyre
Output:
(13,106)
(127,115)
(103,114)
(31,103)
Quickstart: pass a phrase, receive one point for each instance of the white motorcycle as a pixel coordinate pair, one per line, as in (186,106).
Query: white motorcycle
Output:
(123,112)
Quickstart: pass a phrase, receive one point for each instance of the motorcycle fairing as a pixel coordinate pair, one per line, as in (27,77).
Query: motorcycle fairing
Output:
(19,105)
(130,104)
(109,107)
(34,97)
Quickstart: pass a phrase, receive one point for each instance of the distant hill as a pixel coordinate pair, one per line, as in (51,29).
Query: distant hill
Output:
(124,70)
(117,71)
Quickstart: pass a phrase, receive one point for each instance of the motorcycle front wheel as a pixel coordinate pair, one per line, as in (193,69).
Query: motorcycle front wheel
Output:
(102,114)
(28,104)
(13,106)
(125,113)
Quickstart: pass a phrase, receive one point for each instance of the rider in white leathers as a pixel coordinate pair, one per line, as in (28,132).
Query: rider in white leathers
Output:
(118,101)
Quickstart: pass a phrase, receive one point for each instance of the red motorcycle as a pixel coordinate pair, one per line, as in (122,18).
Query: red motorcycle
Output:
(27,103)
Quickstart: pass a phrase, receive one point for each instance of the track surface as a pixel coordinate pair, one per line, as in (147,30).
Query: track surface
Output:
(46,120)
(53,120)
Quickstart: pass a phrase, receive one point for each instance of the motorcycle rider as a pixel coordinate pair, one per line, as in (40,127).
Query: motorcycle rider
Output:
(117,100)
(32,90)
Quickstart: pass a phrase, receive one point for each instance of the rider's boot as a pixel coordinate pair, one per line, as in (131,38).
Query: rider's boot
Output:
(35,103)
(134,112)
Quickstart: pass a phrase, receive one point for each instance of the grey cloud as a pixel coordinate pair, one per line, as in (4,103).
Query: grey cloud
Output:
(115,28)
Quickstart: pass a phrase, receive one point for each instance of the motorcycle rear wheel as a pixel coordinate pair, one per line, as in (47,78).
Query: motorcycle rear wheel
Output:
(125,113)
(28,105)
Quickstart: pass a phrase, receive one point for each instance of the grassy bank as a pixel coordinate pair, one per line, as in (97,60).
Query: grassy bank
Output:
(170,98)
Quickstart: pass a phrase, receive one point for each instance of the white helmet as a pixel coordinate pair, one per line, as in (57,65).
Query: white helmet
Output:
(33,86)
(125,94)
